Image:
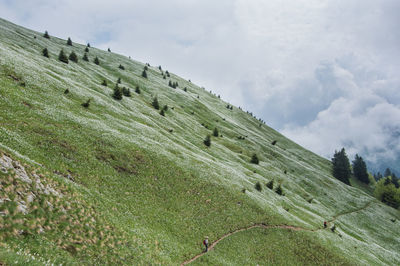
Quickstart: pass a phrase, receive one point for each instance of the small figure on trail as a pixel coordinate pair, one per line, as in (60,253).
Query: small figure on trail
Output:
(333,228)
(205,243)
(325,224)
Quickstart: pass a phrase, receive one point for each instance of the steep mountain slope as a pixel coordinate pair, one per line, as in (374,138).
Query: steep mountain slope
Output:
(132,186)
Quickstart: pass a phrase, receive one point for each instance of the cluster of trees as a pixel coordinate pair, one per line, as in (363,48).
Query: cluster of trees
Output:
(270,185)
(387,189)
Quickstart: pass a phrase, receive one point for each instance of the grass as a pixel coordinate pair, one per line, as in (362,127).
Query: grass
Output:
(159,191)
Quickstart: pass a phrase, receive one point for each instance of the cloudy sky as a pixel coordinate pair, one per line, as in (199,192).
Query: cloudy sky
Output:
(326,73)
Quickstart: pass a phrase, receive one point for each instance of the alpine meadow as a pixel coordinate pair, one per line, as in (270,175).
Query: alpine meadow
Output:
(105,160)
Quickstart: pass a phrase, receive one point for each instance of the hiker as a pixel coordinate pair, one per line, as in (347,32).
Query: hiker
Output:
(325,225)
(205,243)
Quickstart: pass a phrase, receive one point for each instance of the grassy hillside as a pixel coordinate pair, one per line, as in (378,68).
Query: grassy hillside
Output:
(123,184)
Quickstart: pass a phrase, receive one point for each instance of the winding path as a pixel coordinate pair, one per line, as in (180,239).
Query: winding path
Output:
(284,226)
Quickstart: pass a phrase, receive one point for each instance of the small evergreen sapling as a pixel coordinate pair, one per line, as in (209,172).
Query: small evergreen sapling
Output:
(165,108)
(144,74)
(270,184)
(85,58)
(137,90)
(69,41)
(207,141)
(162,112)
(119,81)
(258,186)
(109,50)
(62,57)
(88,45)
(254,159)
(121,67)
(126,92)
(155,103)
(215,132)
(117,95)
(279,190)
(45,52)
(96,61)
(66,91)
(73,57)
(46,35)
(87,50)
(86,104)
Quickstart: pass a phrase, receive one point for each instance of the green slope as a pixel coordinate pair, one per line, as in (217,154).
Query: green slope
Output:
(151,186)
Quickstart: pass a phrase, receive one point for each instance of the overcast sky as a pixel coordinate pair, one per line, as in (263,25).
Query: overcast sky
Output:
(326,73)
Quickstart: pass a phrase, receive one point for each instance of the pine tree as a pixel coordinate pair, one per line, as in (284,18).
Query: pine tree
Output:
(144,74)
(121,67)
(109,50)
(270,184)
(387,172)
(254,159)
(96,61)
(85,58)
(162,112)
(66,91)
(73,57)
(119,81)
(117,95)
(360,169)
(146,68)
(62,57)
(165,108)
(215,132)
(104,83)
(279,190)
(45,52)
(69,41)
(155,103)
(137,90)
(86,104)
(341,166)
(87,50)
(258,186)
(126,92)
(46,35)
(88,45)
(207,141)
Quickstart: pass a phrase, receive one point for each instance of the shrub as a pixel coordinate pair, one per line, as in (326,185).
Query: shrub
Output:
(117,95)
(46,35)
(96,61)
(88,45)
(279,190)
(73,57)
(215,132)
(207,141)
(254,159)
(144,74)
(162,112)
(243,190)
(104,83)
(69,41)
(85,58)
(270,184)
(273,142)
(159,67)
(45,52)
(146,68)
(164,77)
(119,81)
(167,73)
(185,89)
(109,50)
(126,92)
(137,90)
(121,67)
(155,103)
(258,186)
(86,50)
(66,91)
(86,104)
(165,108)
(62,57)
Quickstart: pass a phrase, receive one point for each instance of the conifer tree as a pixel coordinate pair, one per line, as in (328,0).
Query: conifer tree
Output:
(126,92)
(215,132)
(87,50)
(162,112)
(165,108)
(69,41)
(121,67)
(117,95)
(270,184)
(254,159)
(85,57)
(387,172)
(119,81)
(73,57)
(137,90)
(258,186)
(46,35)
(45,52)
(144,74)
(207,141)
(341,166)
(155,103)
(62,57)
(88,45)
(109,49)
(104,83)
(86,104)
(360,169)
(279,190)
(96,61)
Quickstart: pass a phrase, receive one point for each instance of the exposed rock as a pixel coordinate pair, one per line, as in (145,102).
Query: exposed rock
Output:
(8,163)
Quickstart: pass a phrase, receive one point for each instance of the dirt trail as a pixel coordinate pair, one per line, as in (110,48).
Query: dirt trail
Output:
(284,226)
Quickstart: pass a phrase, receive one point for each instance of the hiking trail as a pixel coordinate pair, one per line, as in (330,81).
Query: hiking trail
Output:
(283,226)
